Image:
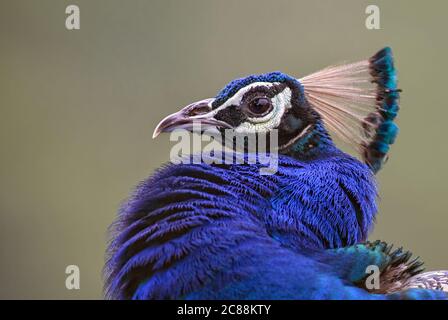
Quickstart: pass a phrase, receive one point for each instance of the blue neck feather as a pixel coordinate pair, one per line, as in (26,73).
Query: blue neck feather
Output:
(315,144)
(192,219)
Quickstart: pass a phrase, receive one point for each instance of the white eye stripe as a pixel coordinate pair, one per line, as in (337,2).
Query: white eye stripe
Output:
(237,97)
(281,102)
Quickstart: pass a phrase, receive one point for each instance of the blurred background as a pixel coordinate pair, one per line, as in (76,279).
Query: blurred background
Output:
(77,110)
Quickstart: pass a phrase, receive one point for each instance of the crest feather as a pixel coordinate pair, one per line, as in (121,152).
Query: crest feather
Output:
(358,102)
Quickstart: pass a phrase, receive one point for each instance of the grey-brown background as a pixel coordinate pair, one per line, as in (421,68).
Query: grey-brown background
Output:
(78,109)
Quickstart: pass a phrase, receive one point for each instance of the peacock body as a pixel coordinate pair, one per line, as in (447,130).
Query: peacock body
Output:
(225,231)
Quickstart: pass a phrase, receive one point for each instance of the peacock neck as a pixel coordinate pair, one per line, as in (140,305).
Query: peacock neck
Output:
(315,144)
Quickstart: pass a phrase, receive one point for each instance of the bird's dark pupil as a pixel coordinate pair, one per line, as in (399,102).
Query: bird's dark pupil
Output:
(260,105)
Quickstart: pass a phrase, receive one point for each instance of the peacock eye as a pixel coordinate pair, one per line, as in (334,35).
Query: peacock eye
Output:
(260,106)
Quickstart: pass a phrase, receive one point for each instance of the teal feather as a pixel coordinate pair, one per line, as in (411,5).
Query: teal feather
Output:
(385,76)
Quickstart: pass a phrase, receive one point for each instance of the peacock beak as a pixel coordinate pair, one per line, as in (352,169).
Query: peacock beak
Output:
(200,112)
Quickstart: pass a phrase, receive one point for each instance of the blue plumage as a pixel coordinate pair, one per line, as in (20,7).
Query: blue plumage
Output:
(220,214)
(223,231)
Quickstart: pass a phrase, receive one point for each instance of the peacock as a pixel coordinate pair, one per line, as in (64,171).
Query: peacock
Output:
(206,230)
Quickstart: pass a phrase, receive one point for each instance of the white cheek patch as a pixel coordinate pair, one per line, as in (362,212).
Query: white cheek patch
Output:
(280,104)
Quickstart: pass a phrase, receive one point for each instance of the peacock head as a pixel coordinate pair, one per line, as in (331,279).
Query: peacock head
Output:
(252,105)
(357,101)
